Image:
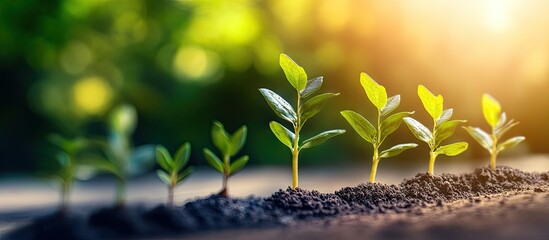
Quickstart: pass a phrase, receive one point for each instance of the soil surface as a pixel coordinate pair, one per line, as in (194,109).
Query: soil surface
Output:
(483,204)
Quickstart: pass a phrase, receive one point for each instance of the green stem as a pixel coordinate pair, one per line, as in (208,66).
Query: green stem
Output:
(432,158)
(375,161)
(295,149)
(120,192)
(494,151)
(171,188)
(224,191)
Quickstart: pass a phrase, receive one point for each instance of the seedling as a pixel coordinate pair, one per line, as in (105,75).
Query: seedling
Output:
(67,164)
(304,88)
(443,128)
(172,171)
(228,145)
(385,124)
(498,121)
(122,160)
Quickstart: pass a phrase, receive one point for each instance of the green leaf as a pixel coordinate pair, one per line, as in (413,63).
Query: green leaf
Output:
(364,128)
(283,134)
(321,138)
(501,131)
(510,143)
(238,140)
(433,105)
(182,156)
(183,175)
(375,92)
(392,103)
(502,121)
(141,160)
(123,119)
(294,73)
(491,109)
(104,166)
(238,164)
(213,160)
(164,159)
(281,108)
(481,137)
(396,150)
(314,105)
(312,86)
(419,130)
(164,177)
(392,123)
(63,159)
(220,138)
(453,149)
(445,116)
(446,130)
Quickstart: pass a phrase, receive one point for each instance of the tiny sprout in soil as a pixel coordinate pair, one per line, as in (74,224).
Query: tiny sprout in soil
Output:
(443,128)
(499,124)
(385,124)
(172,171)
(297,77)
(228,145)
(122,160)
(67,164)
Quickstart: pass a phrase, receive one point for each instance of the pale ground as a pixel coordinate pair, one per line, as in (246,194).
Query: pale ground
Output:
(24,198)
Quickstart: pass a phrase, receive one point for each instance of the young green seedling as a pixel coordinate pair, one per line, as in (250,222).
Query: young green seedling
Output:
(172,171)
(443,128)
(304,88)
(228,145)
(385,124)
(122,160)
(498,121)
(67,164)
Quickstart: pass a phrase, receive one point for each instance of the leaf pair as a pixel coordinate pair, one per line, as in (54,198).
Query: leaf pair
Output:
(229,145)
(491,109)
(287,137)
(443,126)
(377,95)
(172,171)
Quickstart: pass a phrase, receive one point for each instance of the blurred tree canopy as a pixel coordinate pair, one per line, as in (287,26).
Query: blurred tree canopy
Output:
(65,64)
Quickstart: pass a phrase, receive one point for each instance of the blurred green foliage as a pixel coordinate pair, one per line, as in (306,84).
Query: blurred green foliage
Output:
(65,64)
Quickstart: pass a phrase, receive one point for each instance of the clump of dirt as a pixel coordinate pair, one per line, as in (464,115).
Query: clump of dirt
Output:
(376,197)
(217,212)
(483,181)
(305,204)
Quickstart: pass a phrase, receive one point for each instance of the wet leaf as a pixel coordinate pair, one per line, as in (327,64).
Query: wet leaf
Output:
(321,138)
(280,106)
(283,134)
(392,103)
(312,86)
(396,150)
(419,130)
(294,73)
(364,128)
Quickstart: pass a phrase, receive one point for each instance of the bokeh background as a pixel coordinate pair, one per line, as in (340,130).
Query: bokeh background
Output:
(65,64)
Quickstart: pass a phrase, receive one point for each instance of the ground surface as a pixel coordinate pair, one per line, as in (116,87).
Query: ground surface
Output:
(445,207)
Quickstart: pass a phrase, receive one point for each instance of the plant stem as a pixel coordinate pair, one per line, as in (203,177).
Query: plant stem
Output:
(432,158)
(295,149)
(120,192)
(170,194)
(375,161)
(65,195)
(494,151)
(224,191)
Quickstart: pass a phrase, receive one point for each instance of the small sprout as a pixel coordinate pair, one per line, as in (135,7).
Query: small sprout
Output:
(385,124)
(304,89)
(228,145)
(122,160)
(498,121)
(67,164)
(172,171)
(443,128)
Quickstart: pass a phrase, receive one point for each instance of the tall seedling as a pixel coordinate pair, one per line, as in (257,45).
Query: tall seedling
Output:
(442,129)
(228,145)
(499,124)
(305,109)
(122,159)
(385,124)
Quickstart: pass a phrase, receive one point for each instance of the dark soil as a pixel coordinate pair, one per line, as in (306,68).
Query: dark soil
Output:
(284,207)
